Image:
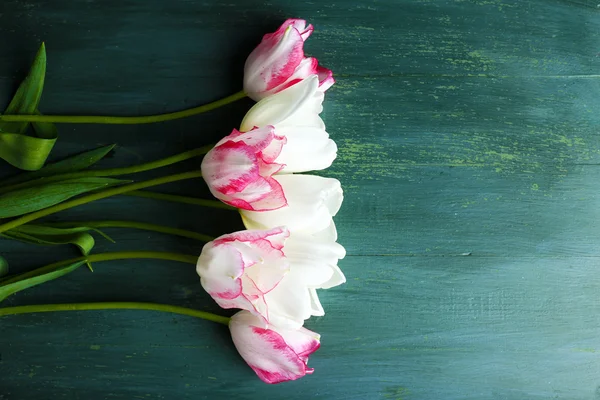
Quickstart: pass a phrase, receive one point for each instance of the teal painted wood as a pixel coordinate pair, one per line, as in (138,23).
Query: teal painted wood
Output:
(469,156)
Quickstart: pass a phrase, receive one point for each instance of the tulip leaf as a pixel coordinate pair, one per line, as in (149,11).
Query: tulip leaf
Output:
(26,200)
(45,230)
(25,152)
(3,266)
(40,235)
(74,163)
(16,146)
(45,235)
(14,287)
(84,241)
(28,94)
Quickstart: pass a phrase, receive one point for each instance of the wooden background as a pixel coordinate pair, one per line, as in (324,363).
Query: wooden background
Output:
(469,155)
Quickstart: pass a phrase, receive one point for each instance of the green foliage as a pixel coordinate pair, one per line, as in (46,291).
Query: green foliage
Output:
(3,267)
(75,163)
(26,200)
(28,152)
(11,288)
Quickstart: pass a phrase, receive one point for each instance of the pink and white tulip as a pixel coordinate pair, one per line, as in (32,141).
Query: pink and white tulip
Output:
(294,112)
(275,354)
(312,202)
(278,62)
(273,274)
(239,169)
(244,168)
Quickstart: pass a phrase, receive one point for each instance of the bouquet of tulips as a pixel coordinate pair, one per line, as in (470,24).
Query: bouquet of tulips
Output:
(271,271)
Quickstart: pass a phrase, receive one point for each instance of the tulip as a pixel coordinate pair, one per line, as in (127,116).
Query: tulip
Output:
(312,202)
(244,169)
(294,112)
(278,62)
(239,170)
(275,354)
(274,273)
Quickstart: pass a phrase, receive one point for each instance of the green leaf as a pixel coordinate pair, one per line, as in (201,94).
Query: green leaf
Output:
(83,240)
(72,164)
(46,230)
(16,147)
(3,266)
(46,235)
(11,288)
(23,201)
(28,94)
(25,152)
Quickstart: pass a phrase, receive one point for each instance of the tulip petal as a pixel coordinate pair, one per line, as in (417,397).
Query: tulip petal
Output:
(225,260)
(307,149)
(300,25)
(262,194)
(300,104)
(270,240)
(329,233)
(303,341)
(276,355)
(278,62)
(239,269)
(312,201)
(289,304)
(307,67)
(314,261)
(238,171)
(261,141)
(294,113)
(325,78)
(337,278)
(315,303)
(273,60)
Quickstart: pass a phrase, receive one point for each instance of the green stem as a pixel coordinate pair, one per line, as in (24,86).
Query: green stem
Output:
(118,255)
(96,196)
(112,171)
(114,306)
(72,119)
(180,199)
(134,225)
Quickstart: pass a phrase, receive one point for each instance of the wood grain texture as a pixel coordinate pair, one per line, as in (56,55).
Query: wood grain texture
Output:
(468,151)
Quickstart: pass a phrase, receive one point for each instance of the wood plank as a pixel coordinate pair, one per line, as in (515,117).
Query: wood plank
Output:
(469,157)
(425,327)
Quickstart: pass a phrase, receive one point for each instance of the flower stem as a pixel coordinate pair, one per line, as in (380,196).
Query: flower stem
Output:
(72,119)
(112,171)
(134,225)
(97,196)
(180,199)
(118,255)
(114,306)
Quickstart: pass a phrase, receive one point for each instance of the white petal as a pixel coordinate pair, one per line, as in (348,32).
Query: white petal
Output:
(336,279)
(302,98)
(310,247)
(312,261)
(317,308)
(283,321)
(307,149)
(329,233)
(289,300)
(244,319)
(312,201)
(218,262)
